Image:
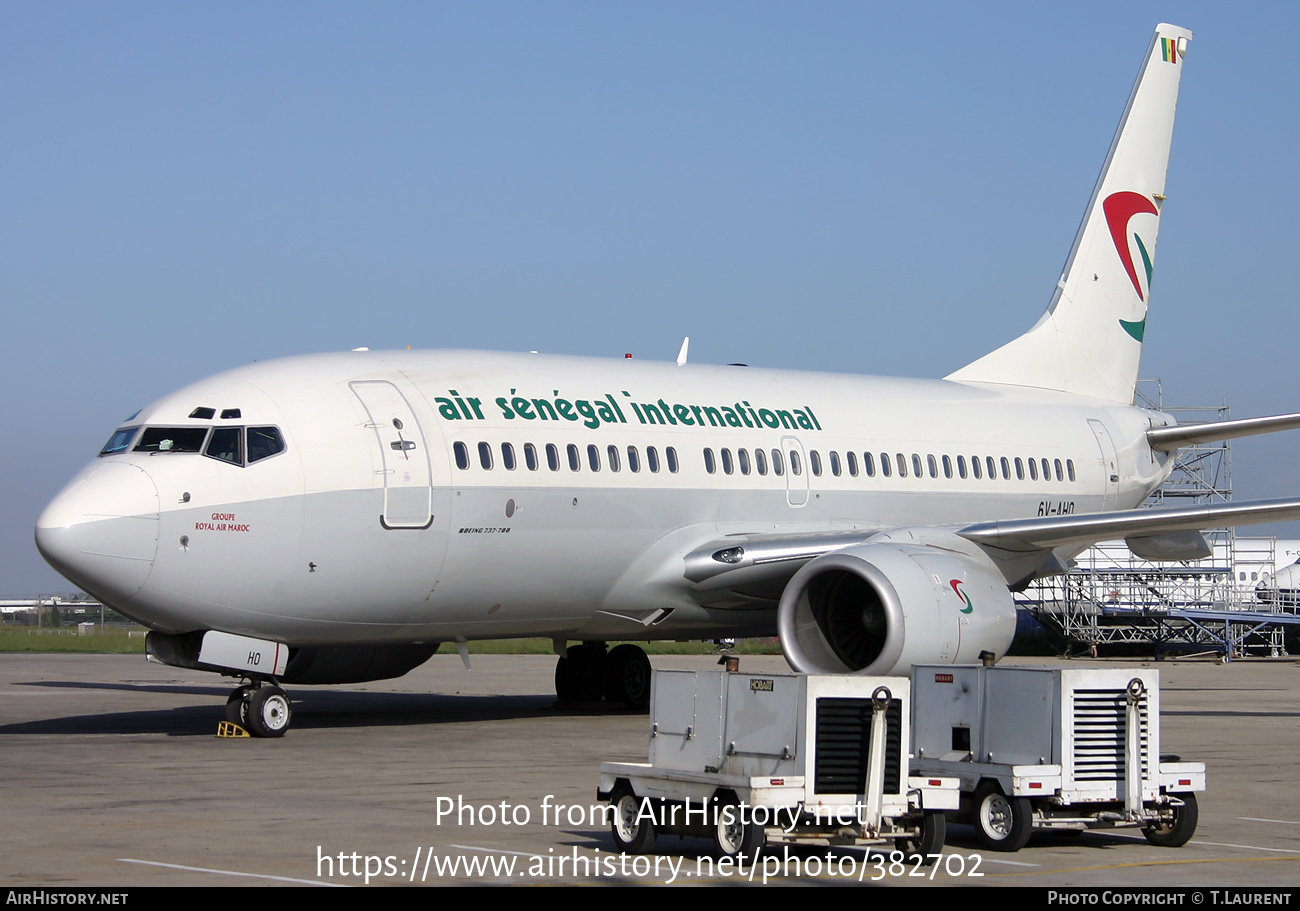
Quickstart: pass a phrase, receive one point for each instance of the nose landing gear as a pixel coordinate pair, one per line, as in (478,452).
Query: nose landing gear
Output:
(260,708)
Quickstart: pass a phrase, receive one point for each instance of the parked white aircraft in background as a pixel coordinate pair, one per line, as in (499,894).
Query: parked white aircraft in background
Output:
(332,518)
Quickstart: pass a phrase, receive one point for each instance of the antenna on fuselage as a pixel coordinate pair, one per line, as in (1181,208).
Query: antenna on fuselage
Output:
(681,355)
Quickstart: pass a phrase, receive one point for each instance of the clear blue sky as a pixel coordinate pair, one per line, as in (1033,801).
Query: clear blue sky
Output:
(859,187)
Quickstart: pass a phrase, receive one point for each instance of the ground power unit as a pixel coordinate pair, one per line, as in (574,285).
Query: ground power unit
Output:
(752,759)
(1052,748)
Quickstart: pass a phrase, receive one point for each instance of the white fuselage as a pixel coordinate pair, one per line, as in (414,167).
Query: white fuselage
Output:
(364,531)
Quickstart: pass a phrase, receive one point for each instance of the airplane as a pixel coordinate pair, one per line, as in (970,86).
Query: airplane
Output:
(333,518)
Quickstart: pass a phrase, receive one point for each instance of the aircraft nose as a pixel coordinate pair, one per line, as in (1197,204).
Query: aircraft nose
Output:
(101,531)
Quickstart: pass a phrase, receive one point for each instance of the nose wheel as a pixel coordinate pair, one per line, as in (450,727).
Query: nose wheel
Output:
(263,710)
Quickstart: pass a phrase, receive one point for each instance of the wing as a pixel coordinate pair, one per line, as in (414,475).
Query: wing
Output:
(755,567)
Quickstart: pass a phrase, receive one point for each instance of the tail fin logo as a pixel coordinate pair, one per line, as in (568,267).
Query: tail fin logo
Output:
(1169,50)
(1120,209)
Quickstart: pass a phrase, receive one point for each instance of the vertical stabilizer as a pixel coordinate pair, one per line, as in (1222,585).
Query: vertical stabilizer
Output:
(1089,341)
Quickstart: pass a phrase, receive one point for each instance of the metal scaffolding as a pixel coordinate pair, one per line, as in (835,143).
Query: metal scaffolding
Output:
(1112,596)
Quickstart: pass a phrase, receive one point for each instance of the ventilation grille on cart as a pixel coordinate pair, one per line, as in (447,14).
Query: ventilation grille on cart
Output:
(1099,735)
(844,741)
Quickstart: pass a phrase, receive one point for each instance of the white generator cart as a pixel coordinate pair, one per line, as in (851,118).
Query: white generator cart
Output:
(753,759)
(1053,748)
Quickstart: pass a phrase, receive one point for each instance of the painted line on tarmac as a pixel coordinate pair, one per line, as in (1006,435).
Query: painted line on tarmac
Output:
(1155,863)
(498,851)
(1280,822)
(984,858)
(1224,844)
(283,879)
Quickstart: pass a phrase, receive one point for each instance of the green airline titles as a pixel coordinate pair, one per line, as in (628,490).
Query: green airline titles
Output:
(593,413)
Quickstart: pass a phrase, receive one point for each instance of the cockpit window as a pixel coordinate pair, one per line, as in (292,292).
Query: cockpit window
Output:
(120,441)
(263,442)
(172,439)
(227,444)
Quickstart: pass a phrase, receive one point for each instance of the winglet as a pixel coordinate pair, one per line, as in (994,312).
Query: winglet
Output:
(681,355)
(1089,341)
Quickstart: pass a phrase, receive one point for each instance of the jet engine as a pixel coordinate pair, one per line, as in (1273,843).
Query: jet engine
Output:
(884,606)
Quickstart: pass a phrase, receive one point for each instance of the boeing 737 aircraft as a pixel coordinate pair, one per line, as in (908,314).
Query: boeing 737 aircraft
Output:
(333,518)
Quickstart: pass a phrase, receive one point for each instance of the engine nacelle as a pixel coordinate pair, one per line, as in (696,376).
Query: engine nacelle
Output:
(880,608)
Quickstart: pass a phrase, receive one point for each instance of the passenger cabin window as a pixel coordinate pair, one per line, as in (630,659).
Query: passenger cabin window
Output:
(884,464)
(709,466)
(975,467)
(778,464)
(593,456)
(575,458)
(633,460)
(552,457)
(796,467)
(612,453)
(760,462)
(727,465)
(652,459)
(530,456)
(815,461)
(670,454)
(1069,468)
(462,455)
(835,463)
(508,456)
(742,456)
(485,455)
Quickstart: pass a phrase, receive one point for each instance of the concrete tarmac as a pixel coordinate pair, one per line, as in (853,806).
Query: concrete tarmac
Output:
(113,776)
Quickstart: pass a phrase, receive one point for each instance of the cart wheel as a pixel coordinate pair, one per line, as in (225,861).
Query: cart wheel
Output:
(633,831)
(928,843)
(1002,823)
(1178,831)
(733,834)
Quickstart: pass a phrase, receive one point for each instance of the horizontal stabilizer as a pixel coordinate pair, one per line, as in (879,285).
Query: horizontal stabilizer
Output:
(1169,439)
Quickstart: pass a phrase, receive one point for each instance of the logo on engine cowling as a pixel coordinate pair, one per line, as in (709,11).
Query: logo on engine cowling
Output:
(956,587)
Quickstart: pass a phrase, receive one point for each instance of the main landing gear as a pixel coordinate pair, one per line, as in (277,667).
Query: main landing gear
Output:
(589,673)
(260,708)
